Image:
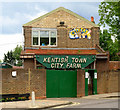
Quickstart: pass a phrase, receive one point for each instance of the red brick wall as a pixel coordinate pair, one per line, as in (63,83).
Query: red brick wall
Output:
(108,82)
(113,81)
(38,82)
(27,36)
(102,82)
(80,83)
(29,63)
(20,84)
(107,76)
(114,65)
(16,85)
(102,65)
(63,40)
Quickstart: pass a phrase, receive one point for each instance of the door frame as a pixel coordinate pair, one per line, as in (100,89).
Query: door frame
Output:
(94,81)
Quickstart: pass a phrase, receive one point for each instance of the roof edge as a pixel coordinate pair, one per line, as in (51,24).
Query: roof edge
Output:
(61,8)
(99,48)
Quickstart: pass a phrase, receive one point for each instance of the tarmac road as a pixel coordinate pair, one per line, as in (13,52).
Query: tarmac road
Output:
(90,104)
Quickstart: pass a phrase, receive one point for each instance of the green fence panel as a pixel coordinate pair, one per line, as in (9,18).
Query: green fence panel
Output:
(68,84)
(61,83)
(52,84)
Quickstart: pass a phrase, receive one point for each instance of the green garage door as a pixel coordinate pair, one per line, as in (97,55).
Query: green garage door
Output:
(61,83)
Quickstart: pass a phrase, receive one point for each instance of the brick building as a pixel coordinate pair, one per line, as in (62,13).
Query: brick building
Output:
(62,58)
(66,45)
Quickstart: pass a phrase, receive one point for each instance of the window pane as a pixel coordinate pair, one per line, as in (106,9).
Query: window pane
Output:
(35,40)
(53,41)
(44,41)
(53,34)
(35,33)
(44,33)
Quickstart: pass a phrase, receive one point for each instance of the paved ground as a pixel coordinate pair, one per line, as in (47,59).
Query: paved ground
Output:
(93,101)
(38,104)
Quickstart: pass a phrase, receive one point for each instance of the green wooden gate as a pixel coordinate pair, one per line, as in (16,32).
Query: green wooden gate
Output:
(61,83)
(94,82)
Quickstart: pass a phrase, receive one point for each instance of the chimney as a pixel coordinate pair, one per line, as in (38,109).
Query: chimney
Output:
(92,19)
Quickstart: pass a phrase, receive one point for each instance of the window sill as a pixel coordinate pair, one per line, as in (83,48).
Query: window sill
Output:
(44,46)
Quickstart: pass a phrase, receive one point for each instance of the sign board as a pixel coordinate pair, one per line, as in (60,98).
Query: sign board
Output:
(86,74)
(14,73)
(95,75)
(65,61)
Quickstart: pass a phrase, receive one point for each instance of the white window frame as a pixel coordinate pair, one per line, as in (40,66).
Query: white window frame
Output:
(38,38)
(44,29)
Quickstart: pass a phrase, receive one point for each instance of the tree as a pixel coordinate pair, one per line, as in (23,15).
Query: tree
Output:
(8,58)
(13,57)
(110,15)
(16,55)
(108,45)
(113,51)
(0,61)
(105,40)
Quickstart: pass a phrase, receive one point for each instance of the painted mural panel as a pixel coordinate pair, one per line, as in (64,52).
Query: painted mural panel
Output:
(77,33)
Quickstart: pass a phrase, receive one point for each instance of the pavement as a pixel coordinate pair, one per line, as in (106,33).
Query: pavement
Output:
(43,103)
(51,102)
(107,95)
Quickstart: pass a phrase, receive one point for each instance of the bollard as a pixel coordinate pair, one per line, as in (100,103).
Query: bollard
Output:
(33,98)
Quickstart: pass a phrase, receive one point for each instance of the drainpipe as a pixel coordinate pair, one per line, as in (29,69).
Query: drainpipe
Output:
(29,73)
(35,63)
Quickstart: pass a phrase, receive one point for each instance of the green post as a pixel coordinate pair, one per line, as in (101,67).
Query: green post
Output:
(95,82)
(86,82)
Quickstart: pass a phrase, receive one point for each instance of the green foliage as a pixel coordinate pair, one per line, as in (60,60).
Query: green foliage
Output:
(113,51)
(0,61)
(105,40)
(13,57)
(8,58)
(16,55)
(108,45)
(110,15)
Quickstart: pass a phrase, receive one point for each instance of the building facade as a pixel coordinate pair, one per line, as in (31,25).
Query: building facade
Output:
(66,47)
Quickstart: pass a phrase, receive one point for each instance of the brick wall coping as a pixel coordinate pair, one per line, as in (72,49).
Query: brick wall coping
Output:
(114,65)
(114,61)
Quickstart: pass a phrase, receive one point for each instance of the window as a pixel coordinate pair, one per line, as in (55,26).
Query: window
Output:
(44,37)
(52,38)
(35,37)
